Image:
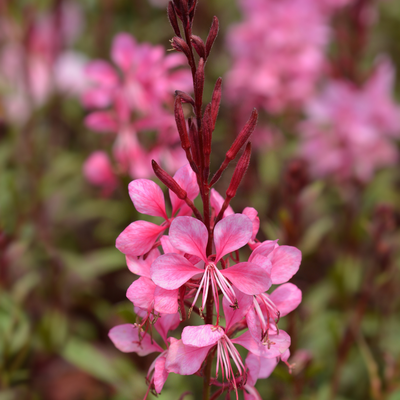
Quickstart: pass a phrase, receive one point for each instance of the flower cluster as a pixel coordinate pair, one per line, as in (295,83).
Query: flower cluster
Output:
(189,261)
(277,55)
(131,100)
(37,61)
(349,130)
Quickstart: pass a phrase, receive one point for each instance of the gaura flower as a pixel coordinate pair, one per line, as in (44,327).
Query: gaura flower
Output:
(187,234)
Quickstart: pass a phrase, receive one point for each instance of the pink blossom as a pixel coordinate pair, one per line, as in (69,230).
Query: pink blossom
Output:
(139,237)
(142,84)
(35,63)
(345,123)
(127,338)
(98,171)
(171,271)
(186,355)
(278,56)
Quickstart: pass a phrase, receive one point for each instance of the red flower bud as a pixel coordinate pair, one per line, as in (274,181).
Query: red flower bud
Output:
(212,35)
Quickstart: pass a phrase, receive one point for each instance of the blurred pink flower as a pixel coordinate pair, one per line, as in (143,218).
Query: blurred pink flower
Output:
(98,171)
(277,55)
(349,130)
(35,63)
(133,99)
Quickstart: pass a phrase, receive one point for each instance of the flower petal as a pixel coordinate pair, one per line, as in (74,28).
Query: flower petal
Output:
(265,249)
(141,293)
(267,366)
(279,344)
(186,179)
(123,51)
(138,238)
(147,198)
(102,73)
(253,366)
(233,316)
(248,278)
(185,360)
(166,323)
(285,263)
(286,298)
(201,336)
(216,201)
(171,271)
(126,338)
(139,266)
(160,373)
(101,121)
(232,233)
(252,213)
(189,235)
(166,301)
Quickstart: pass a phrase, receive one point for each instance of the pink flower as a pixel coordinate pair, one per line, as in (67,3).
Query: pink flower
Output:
(142,86)
(128,338)
(139,237)
(98,171)
(278,56)
(189,235)
(143,293)
(345,123)
(186,355)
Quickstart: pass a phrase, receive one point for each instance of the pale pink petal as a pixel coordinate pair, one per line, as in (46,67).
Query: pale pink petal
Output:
(123,50)
(126,338)
(264,249)
(138,238)
(166,301)
(98,170)
(141,293)
(139,266)
(102,72)
(147,197)
(285,263)
(254,325)
(190,236)
(285,356)
(101,121)
(185,360)
(279,344)
(286,298)
(97,98)
(253,366)
(248,278)
(252,213)
(167,246)
(160,373)
(201,336)
(186,179)
(263,262)
(251,393)
(232,233)
(267,366)
(216,201)
(166,323)
(233,316)
(171,271)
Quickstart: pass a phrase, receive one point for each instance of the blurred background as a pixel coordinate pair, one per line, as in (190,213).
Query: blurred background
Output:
(86,100)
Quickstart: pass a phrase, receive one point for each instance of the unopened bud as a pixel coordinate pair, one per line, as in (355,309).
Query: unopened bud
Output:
(181,123)
(180,45)
(172,18)
(199,46)
(168,181)
(215,102)
(212,35)
(185,97)
(243,136)
(199,86)
(239,172)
